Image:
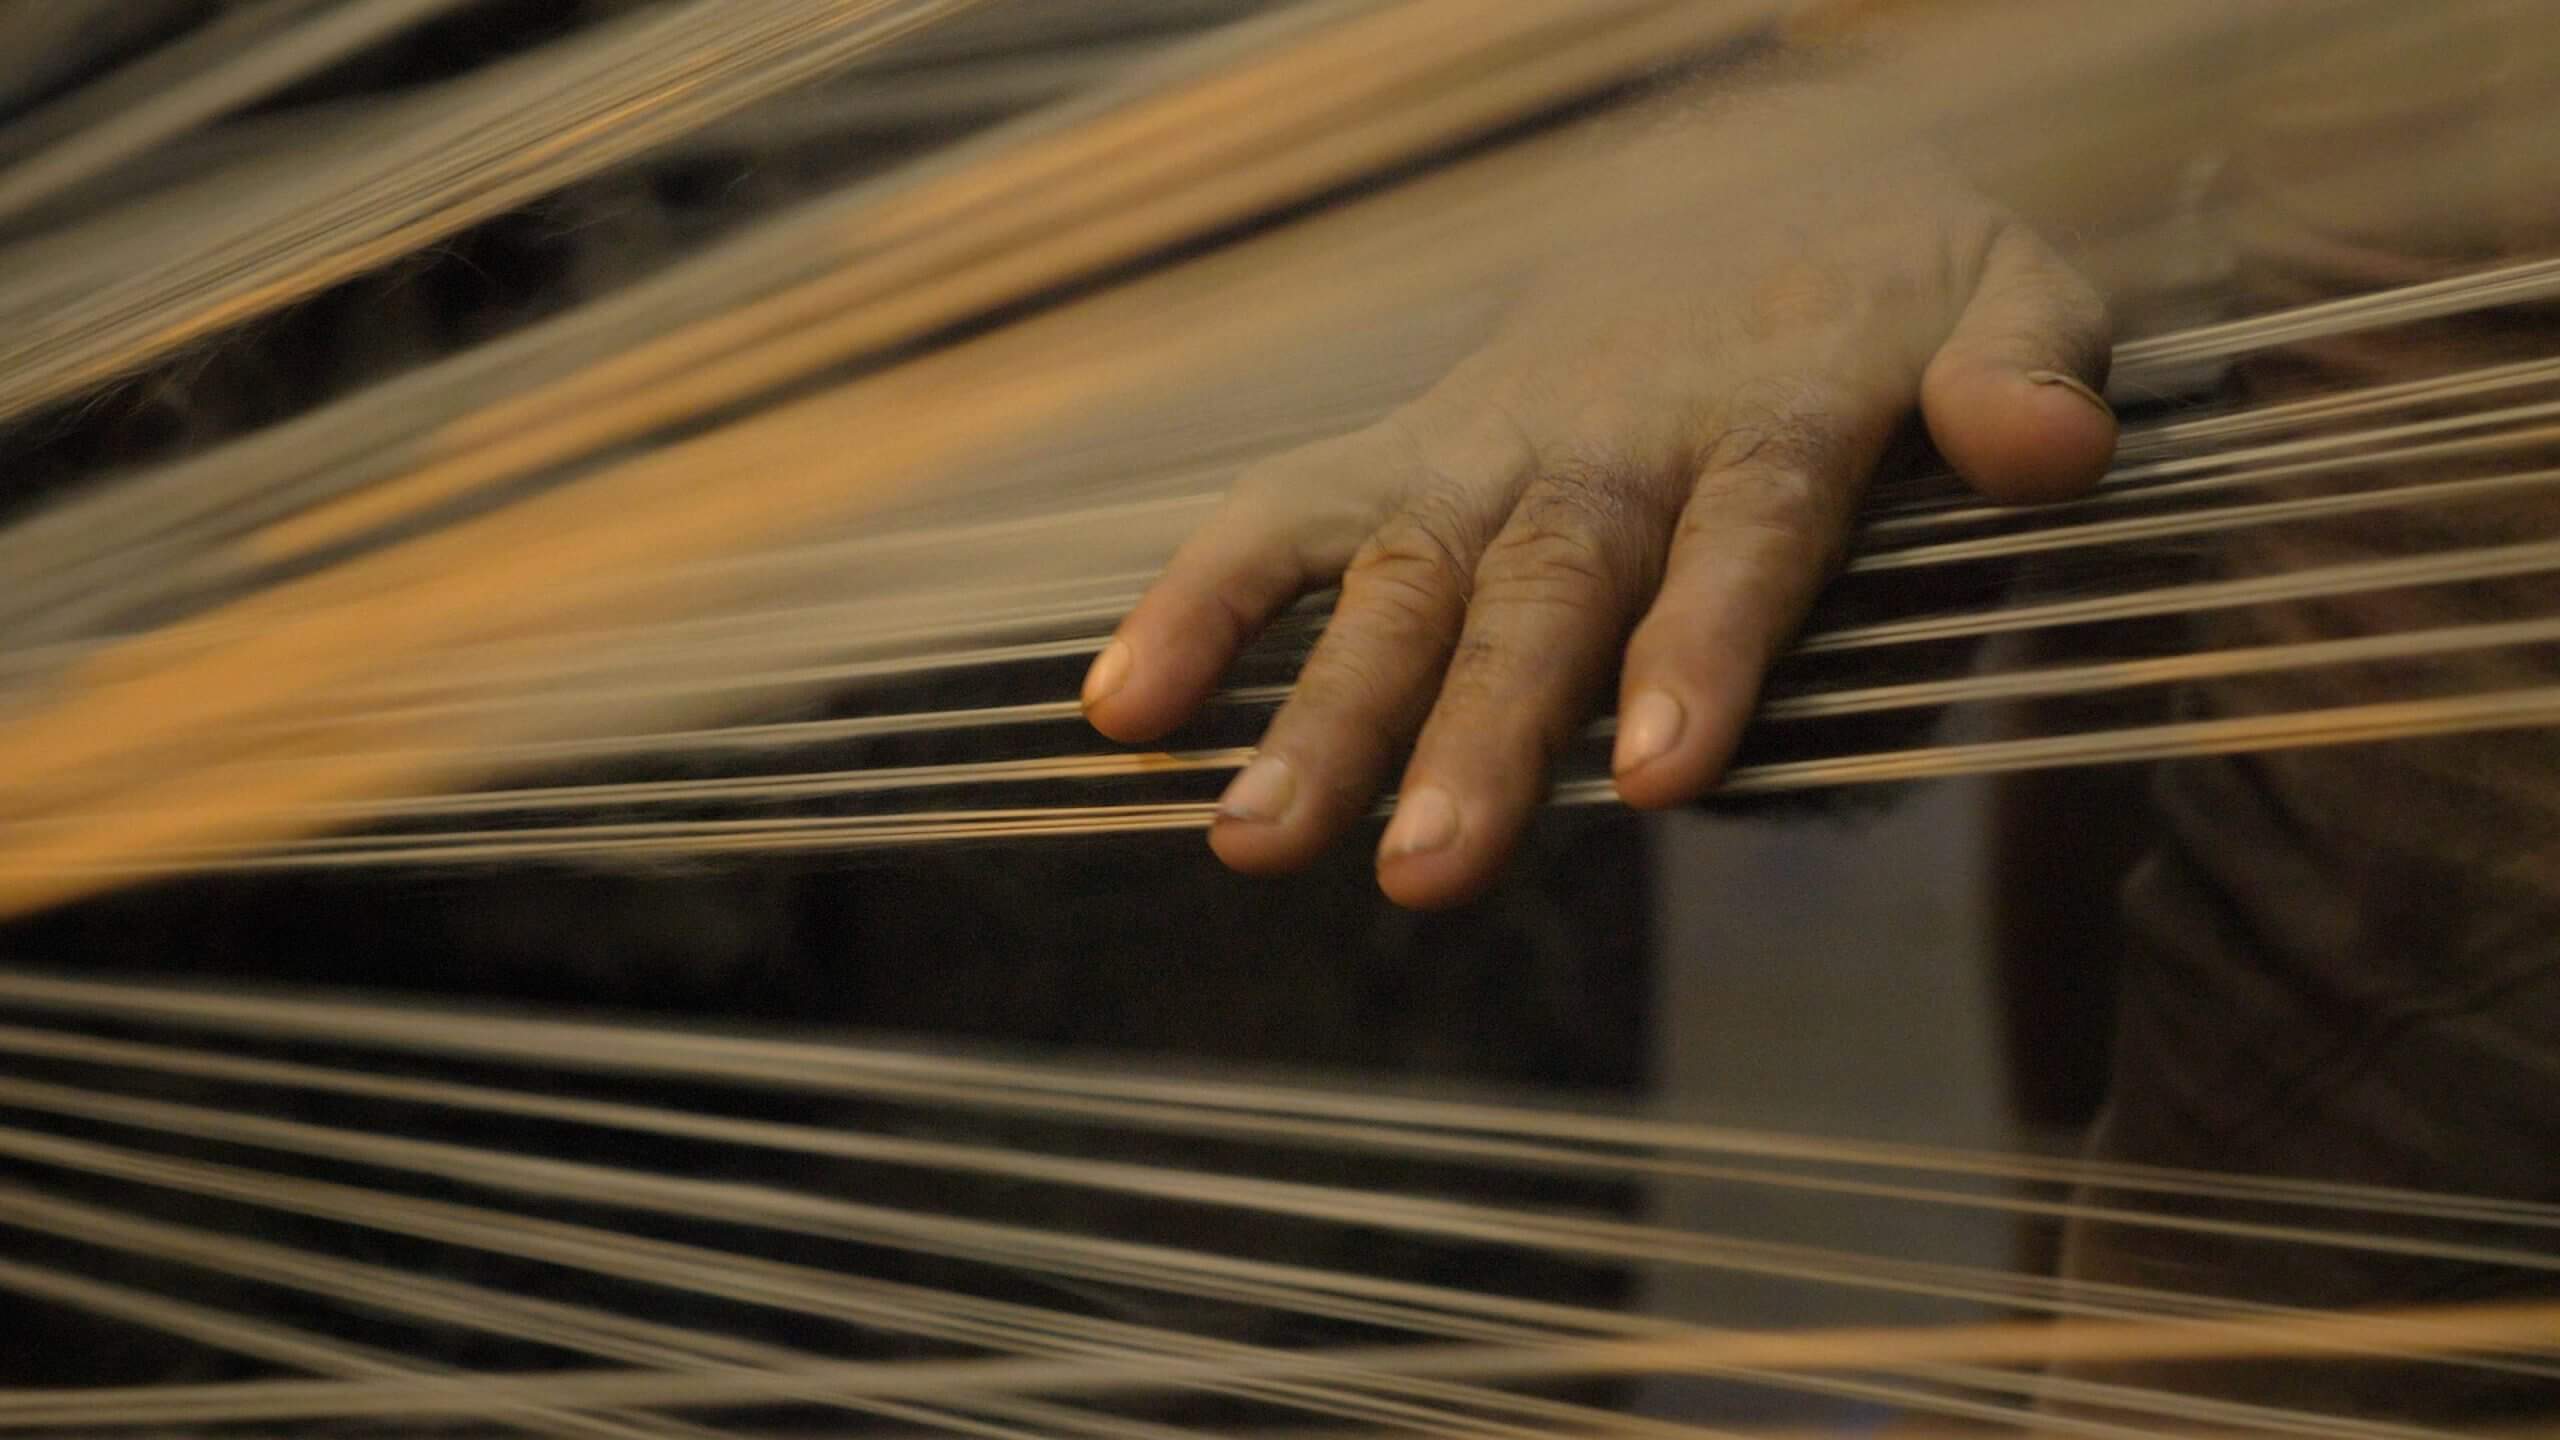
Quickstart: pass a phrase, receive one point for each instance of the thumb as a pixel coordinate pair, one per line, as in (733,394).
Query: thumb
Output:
(2012,397)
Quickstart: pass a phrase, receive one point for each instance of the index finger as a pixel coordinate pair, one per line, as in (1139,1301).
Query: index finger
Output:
(1289,526)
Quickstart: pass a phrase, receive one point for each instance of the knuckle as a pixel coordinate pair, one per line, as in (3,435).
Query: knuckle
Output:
(1412,573)
(1773,475)
(1402,598)
(1545,570)
(1777,420)
(1413,545)
(1582,499)
(1780,506)
(1575,538)
(1445,517)
(1766,492)
(1585,529)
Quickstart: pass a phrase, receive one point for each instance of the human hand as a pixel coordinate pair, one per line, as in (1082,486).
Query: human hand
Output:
(1663,449)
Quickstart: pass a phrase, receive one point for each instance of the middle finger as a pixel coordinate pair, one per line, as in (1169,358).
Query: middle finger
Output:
(1367,685)
(1555,594)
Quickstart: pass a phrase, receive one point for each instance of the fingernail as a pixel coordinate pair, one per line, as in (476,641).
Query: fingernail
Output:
(1647,729)
(1110,671)
(1260,792)
(2075,385)
(1426,820)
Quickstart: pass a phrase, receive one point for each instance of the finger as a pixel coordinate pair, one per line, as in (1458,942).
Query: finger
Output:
(1364,690)
(1553,596)
(1760,533)
(1289,526)
(2012,397)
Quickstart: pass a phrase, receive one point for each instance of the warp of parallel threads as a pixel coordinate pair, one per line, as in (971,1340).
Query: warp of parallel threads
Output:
(227,729)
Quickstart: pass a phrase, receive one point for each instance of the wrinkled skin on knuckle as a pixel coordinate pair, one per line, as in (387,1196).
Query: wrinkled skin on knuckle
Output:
(1582,535)
(1783,421)
(1413,571)
(1774,502)
(1599,498)
(1447,522)
(1783,459)
(1542,568)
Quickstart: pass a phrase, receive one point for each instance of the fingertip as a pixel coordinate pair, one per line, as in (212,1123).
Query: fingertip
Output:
(1440,851)
(2012,396)
(1104,679)
(2064,436)
(1432,882)
(2021,437)
(1653,741)
(1672,744)
(1155,673)
(1262,827)
(1251,847)
(1125,724)
(1176,643)
(1691,678)
(1128,719)
(1661,785)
